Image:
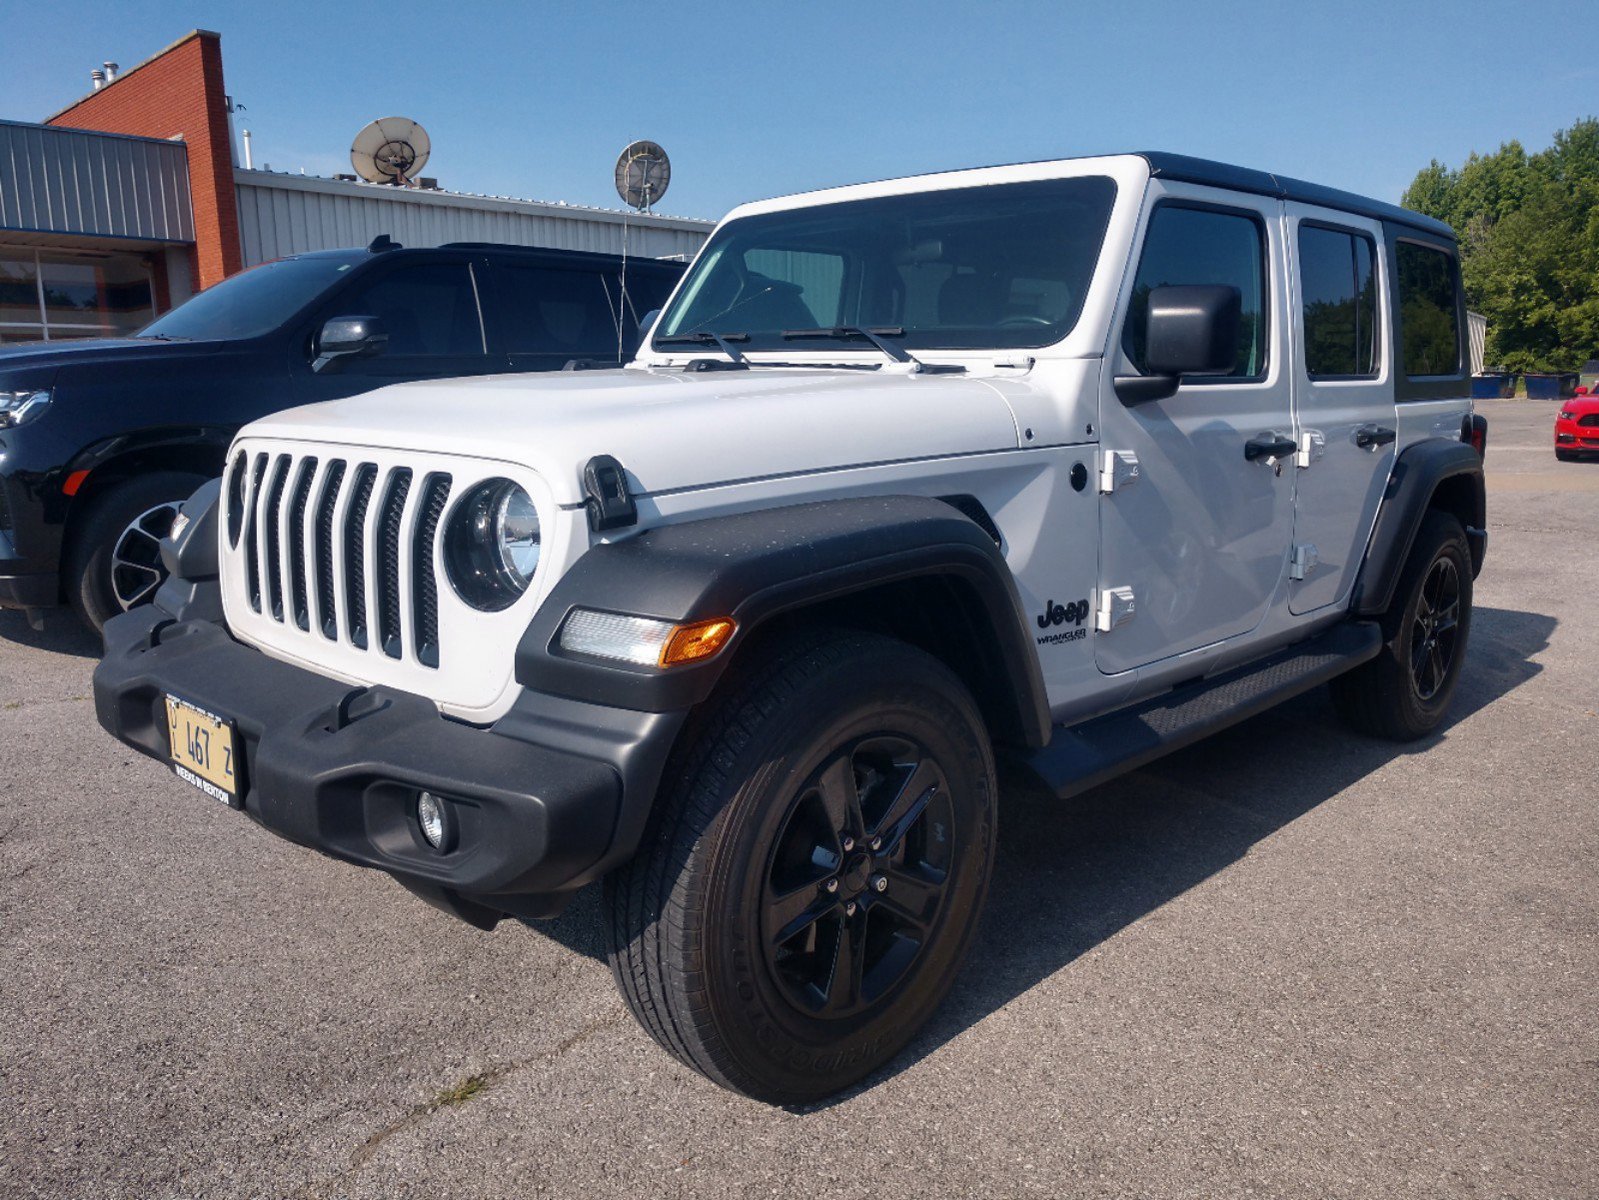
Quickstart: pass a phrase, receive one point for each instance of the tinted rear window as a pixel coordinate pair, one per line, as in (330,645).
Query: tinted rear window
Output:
(1428,317)
(1338,292)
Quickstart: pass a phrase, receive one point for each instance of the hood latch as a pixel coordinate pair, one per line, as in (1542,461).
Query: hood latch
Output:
(609,504)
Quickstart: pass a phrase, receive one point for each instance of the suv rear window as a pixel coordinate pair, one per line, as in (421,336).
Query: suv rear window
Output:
(1338,292)
(1428,320)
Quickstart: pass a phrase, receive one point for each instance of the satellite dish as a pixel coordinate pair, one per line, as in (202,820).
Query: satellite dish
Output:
(642,174)
(390,150)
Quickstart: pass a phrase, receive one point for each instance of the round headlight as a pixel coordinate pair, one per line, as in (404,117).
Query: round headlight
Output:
(491,545)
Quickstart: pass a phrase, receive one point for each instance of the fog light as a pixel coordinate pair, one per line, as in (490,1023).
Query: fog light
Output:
(430,816)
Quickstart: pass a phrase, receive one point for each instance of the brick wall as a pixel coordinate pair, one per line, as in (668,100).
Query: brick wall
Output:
(179,92)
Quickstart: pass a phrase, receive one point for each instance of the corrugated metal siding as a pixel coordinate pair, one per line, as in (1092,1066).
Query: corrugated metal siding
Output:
(1476,335)
(291,214)
(101,185)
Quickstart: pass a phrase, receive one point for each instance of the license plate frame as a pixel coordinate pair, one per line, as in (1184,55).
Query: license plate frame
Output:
(203,749)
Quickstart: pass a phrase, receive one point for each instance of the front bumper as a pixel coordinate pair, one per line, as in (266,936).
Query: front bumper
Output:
(337,768)
(29,591)
(1571,436)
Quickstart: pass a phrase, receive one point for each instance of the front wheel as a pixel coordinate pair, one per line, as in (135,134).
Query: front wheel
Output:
(114,563)
(814,871)
(1403,693)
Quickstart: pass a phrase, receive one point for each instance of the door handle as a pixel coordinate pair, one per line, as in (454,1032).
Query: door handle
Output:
(1368,436)
(1269,445)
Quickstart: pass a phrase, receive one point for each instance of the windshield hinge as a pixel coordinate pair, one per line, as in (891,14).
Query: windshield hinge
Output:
(609,504)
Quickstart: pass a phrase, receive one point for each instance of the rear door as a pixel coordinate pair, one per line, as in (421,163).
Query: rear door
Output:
(1194,543)
(547,314)
(1344,414)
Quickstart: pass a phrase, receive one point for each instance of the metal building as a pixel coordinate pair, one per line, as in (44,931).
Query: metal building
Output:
(288,214)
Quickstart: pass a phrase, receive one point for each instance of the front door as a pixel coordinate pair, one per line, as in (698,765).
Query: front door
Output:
(432,311)
(1344,413)
(1194,543)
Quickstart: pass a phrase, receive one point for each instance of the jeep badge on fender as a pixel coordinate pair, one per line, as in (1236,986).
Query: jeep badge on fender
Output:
(762,707)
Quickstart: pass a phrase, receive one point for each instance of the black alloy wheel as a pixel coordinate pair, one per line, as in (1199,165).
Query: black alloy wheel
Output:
(857,876)
(1435,628)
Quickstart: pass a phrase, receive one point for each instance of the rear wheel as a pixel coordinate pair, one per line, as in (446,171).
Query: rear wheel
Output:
(815,869)
(1403,693)
(114,563)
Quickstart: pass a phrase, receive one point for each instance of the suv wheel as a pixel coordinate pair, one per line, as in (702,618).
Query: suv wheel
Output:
(114,563)
(1404,692)
(814,871)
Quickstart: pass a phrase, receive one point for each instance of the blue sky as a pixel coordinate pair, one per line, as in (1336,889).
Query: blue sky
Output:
(760,99)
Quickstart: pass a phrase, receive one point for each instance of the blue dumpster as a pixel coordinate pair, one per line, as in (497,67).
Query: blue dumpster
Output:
(1493,385)
(1542,385)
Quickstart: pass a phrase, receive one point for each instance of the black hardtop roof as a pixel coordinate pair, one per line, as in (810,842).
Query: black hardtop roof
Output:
(577,257)
(1186,169)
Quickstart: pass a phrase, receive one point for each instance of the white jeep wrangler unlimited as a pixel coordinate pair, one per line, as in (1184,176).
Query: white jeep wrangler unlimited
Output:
(1070,462)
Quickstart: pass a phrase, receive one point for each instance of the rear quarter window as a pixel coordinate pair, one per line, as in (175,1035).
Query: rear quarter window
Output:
(1428,318)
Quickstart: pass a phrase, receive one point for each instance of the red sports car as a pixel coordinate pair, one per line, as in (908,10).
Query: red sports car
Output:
(1577,427)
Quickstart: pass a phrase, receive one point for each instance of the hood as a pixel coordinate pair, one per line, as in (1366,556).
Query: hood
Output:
(33,357)
(671,429)
(1581,405)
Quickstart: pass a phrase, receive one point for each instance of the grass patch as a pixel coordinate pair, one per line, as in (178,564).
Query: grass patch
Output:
(461,1092)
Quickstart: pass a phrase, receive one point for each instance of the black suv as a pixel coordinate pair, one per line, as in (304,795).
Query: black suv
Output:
(99,440)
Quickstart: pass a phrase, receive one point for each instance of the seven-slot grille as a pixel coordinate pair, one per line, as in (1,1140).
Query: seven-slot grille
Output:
(303,523)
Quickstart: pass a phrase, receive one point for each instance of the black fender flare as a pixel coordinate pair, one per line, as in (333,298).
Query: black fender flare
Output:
(754,566)
(1419,475)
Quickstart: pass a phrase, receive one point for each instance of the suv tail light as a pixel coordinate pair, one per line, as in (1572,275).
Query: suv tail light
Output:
(1474,432)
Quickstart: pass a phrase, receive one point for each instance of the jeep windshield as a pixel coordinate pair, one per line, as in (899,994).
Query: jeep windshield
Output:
(252,302)
(1001,266)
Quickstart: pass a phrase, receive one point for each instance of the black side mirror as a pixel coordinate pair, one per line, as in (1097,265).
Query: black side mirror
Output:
(1192,330)
(646,324)
(349,337)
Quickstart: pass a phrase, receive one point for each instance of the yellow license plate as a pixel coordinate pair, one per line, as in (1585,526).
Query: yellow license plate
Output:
(204,750)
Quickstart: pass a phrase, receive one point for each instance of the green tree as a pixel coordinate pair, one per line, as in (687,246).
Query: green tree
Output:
(1529,242)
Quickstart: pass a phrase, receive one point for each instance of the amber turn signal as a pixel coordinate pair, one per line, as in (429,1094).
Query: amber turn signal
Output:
(690,643)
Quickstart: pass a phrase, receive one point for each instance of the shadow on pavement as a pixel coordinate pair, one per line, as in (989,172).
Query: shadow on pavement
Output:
(1071,874)
(62,633)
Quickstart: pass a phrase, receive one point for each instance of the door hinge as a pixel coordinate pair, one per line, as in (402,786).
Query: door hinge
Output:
(1117,468)
(1116,607)
(1312,445)
(1304,560)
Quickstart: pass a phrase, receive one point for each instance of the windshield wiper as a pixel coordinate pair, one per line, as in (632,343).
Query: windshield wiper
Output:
(878,338)
(722,341)
(165,337)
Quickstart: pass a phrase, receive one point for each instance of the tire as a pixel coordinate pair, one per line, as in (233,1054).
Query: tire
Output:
(757,807)
(1404,692)
(1566,455)
(113,564)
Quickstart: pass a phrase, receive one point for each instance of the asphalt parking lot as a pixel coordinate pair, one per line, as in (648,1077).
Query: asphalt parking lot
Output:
(1289,962)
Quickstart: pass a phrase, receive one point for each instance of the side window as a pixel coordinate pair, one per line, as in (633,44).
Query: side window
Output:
(1427,316)
(429,309)
(551,311)
(1338,292)
(1203,246)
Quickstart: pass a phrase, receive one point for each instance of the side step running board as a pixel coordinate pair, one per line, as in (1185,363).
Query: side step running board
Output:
(1079,757)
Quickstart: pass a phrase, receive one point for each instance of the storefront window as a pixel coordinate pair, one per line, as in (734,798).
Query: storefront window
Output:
(50,296)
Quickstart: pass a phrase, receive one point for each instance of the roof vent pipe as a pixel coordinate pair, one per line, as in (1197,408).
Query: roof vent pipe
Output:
(97,79)
(110,72)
